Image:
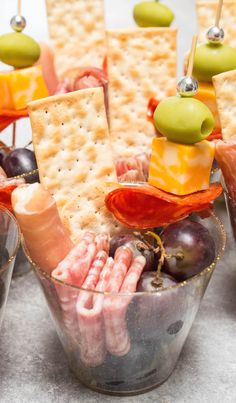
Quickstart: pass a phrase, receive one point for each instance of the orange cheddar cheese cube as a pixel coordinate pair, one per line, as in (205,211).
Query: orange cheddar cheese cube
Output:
(18,87)
(206,94)
(181,169)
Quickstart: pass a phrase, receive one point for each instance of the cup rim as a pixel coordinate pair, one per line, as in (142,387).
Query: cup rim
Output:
(13,255)
(182,284)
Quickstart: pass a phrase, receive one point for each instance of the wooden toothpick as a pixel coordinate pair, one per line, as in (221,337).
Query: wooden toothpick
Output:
(18,7)
(13,141)
(191,56)
(218,14)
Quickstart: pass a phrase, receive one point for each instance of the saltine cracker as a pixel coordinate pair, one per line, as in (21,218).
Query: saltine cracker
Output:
(77,31)
(73,152)
(141,66)
(225,88)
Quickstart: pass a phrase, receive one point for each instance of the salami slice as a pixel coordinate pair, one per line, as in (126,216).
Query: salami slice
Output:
(8,117)
(152,105)
(144,206)
(90,320)
(115,308)
(5,195)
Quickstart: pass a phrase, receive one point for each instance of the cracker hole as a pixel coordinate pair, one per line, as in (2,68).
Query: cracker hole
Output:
(62,124)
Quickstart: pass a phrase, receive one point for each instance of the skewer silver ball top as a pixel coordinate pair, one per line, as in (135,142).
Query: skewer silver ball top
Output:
(215,35)
(18,23)
(187,87)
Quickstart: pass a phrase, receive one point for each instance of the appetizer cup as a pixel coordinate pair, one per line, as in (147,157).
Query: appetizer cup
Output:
(9,244)
(125,344)
(231,210)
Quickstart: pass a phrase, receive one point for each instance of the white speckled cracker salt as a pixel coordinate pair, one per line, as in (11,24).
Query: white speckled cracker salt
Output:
(206,15)
(141,65)
(73,151)
(77,31)
(225,88)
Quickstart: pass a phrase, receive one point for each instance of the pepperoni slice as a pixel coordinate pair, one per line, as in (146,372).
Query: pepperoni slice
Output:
(215,135)
(8,117)
(152,105)
(144,206)
(5,195)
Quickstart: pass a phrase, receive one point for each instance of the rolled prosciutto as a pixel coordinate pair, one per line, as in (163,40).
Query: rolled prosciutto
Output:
(46,238)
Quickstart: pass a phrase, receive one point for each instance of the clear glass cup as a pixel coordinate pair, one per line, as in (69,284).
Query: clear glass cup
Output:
(231,209)
(126,344)
(22,264)
(9,244)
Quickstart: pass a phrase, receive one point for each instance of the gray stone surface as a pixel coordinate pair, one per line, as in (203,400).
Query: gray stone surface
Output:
(34,368)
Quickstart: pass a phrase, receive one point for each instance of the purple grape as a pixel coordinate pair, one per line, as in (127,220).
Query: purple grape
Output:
(146,279)
(155,311)
(3,154)
(131,241)
(193,244)
(20,161)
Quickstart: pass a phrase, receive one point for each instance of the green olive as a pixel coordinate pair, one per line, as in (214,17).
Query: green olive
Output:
(18,50)
(152,14)
(211,59)
(183,120)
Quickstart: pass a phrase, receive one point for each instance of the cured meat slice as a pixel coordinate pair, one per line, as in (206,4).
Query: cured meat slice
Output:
(74,267)
(226,158)
(90,320)
(46,238)
(46,61)
(6,188)
(144,206)
(114,317)
(9,117)
(82,78)
(115,308)
(122,261)
(133,169)
(102,242)
(152,105)
(89,326)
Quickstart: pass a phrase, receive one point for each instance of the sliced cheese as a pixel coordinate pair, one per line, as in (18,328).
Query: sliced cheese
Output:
(18,87)
(181,169)
(206,94)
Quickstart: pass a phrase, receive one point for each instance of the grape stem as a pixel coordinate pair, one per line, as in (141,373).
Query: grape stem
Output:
(158,282)
(145,245)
